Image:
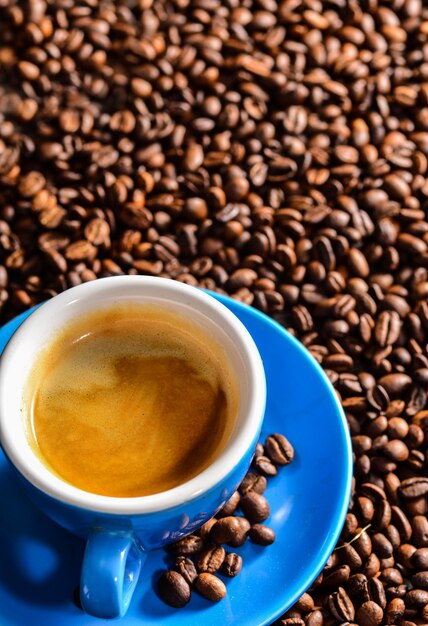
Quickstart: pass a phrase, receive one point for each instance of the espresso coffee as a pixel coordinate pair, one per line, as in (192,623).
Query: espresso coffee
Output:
(130,401)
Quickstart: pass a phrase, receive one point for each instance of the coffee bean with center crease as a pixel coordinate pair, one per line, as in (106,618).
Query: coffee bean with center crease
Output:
(188,545)
(232,565)
(211,559)
(279,449)
(341,606)
(173,589)
(253,482)
(414,487)
(264,466)
(186,568)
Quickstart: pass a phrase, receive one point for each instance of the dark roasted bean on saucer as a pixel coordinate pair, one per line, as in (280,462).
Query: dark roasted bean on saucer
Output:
(262,535)
(232,565)
(211,559)
(255,507)
(205,529)
(225,529)
(240,537)
(259,450)
(186,568)
(188,545)
(265,466)
(253,482)
(173,589)
(279,449)
(230,506)
(211,587)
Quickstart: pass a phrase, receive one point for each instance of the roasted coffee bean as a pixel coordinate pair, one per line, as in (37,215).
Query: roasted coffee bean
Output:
(395,611)
(173,589)
(382,515)
(225,529)
(373,565)
(392,534)
(211,559)
(402,523)
(420,559)
(396,450)
(265,466)
(262,535)
(315,618)
(279,449)
(211,587)
(416,598)
(358,587)
(253,482)
(362,543)
(255,507)
(369,614)
(382,546)
(186,568)
(188,545)
(230,507)
(351,557)
(305,603)
(404,554)
(341,606)
(420,580)
(377,592)
(391,576)
(414,487)
(232,565)
(365,508)
(205,529)
(337,577)
(350,526)
(240,537)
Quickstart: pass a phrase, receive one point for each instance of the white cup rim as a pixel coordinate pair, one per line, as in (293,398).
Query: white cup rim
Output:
(26,460)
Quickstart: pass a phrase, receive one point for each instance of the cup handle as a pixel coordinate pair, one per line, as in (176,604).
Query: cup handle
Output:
(110,571)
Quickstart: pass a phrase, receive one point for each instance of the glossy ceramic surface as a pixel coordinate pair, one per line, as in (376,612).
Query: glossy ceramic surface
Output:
(41,562)
(117,527)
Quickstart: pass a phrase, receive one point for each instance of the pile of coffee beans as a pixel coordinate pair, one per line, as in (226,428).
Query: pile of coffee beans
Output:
(241,517)
(273,150)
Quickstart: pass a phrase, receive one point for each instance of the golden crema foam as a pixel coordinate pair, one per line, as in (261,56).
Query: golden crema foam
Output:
(130,401)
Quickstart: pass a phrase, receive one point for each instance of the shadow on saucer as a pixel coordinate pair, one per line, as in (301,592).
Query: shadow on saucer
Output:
(40,562)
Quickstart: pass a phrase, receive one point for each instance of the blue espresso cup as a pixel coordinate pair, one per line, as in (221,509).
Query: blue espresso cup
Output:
(120,531)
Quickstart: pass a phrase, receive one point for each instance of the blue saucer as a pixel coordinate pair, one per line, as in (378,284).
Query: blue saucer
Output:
(40,562)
